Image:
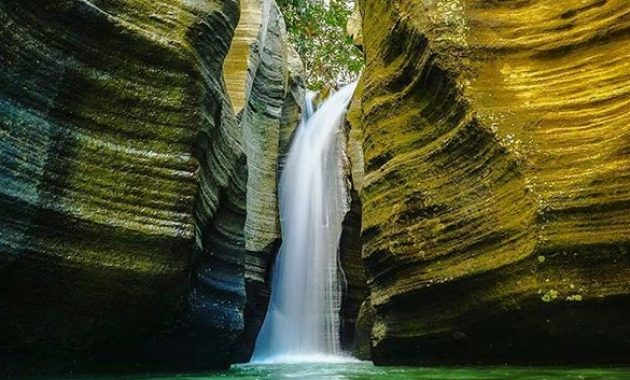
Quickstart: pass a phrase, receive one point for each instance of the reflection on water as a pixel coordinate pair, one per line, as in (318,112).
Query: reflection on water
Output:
(363,370)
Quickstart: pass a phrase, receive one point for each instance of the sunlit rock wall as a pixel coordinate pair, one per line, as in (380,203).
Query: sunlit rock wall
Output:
(496,200)
(124,169)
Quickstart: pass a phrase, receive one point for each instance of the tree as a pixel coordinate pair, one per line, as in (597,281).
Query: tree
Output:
(317,30)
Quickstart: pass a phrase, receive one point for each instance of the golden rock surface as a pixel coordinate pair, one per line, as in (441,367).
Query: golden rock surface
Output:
(496,200)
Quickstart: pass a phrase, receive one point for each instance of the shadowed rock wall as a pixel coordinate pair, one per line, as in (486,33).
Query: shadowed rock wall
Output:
(496,200)
(271,100)
(124,173)
(350,246)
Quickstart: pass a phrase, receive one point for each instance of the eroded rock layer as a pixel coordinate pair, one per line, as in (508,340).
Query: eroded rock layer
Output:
(350,246)
(124,180)
(274,95)
(496,202)
(107,113)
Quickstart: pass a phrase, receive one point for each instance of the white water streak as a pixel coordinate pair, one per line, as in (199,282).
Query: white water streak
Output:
(302,319)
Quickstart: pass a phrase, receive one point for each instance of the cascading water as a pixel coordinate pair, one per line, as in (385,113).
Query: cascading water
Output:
(302,321)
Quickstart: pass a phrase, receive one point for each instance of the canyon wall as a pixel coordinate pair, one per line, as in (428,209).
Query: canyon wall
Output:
(265,80)
(127,170)
(350,246)
(496,197)
(140,143)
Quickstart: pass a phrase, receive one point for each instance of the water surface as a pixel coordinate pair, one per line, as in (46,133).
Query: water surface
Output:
(364,370)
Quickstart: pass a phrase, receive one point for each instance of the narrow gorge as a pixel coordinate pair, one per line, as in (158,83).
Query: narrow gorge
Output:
(168,203)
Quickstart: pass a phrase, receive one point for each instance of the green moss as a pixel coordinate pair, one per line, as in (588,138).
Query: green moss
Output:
(551,295)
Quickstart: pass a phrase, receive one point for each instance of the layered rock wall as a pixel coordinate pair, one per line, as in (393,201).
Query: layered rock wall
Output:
(496,195)
(350,246)
(125,167)
(269,105)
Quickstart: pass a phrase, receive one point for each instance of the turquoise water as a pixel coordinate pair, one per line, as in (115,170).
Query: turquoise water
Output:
(362,370)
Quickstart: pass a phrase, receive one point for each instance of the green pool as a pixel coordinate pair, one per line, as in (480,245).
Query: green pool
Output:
(364,370)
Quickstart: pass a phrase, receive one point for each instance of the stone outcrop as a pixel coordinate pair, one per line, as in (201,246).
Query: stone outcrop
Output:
(127,167)
(363,331)
(496,199)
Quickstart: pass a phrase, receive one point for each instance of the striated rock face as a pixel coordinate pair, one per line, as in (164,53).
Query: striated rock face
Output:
(496,199)
(259,263)
(126,179)
(350,247)
(270,102)
(293,103)
(106,114)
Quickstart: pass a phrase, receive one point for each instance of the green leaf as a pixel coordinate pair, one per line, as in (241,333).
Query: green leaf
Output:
(318,33)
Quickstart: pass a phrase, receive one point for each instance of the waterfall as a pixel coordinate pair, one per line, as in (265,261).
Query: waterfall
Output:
(302,321)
